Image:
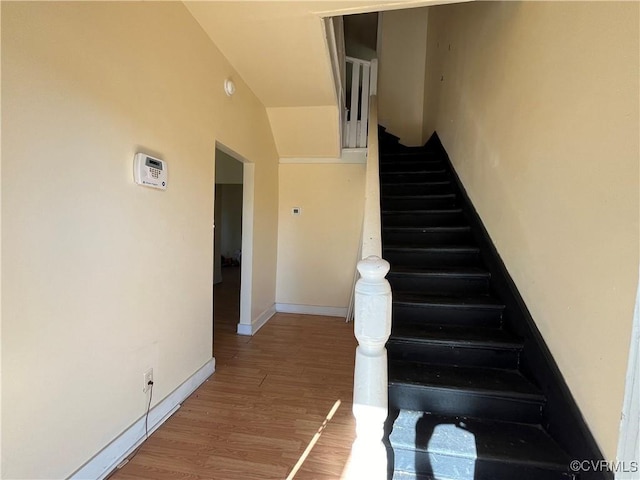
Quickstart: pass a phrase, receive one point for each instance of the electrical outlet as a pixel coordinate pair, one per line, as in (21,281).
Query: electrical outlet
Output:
(148,377)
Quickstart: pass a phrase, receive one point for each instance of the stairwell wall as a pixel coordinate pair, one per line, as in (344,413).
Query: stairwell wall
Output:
(537,106)
(318,249)
(401,73)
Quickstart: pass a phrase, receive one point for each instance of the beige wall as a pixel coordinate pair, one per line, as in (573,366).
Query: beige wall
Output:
(538,109)
(103,278)
(303,132)
(401,73)
(360,35)
(317,250)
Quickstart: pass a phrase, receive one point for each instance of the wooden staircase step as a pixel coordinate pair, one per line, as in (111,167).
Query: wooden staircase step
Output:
(438,446)
(394,164)
(445,217)
(449,280)
(420,309)
(416,188)
(438,175)
(461,390)
(426,256)
(427,201)
(454,345)
(452,235)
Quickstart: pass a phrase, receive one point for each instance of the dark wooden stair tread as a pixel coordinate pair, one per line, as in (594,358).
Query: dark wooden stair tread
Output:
(495,440)
(441,272)
(406,154)
(440,248)
(412,229)
(427,211)
(425,196)
(485,381)
(423,184)
(495,338)
(409,160)
(453,301)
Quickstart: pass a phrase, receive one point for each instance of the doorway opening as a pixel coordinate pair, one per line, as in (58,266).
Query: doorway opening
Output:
(232,242)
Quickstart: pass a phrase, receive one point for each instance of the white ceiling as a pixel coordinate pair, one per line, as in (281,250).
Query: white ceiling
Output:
(279,47)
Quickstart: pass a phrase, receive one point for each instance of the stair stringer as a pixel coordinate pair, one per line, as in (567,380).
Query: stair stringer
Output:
(561,416)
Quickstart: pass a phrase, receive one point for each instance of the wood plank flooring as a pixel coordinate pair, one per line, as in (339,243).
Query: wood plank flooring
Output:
(255,417)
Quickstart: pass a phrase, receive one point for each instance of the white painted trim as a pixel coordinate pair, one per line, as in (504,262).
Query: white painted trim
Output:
(248,199)
(106,460)
(246,267)
(379,35)
(244,329)
(354,155)
(310,160)
(332,51)
(374,77)
(629,440)
(371,227)
(358,60)
(258,323)
(311,310)
(364,106)
(349,156)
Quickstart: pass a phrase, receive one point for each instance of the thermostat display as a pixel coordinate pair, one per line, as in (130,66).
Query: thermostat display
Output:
(149,171)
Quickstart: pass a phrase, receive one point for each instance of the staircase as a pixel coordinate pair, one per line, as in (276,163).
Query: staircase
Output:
(460,405)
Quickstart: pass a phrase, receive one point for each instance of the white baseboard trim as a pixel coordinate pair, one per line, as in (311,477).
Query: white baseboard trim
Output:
(107,459)
(311,310)
(258,323)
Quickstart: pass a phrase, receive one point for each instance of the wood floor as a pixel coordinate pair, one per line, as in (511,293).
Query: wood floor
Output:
(257,415)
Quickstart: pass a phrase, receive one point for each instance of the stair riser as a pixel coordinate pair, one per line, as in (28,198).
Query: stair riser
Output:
(423,203)
(416,189)
(413,177)
(438,354)
(438,285)
(429,258)
(410,153)
(428,238)
(394,166)
(404,314)
(426,466)
(459,402)
(423,219)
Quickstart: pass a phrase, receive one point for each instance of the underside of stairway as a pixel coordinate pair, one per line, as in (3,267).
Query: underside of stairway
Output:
(462,400)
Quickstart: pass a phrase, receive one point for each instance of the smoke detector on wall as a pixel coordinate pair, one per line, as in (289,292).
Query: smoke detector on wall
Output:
(229,87)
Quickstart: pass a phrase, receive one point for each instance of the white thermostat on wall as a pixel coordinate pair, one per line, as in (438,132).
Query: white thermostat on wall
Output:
(150,171)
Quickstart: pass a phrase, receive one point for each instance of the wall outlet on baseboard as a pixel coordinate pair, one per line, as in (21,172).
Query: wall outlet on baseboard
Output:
(148,380)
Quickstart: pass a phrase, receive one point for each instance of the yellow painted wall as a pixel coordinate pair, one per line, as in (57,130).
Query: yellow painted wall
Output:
(303,132)
(103,278)
(538,109)
(401,73)
(317,250)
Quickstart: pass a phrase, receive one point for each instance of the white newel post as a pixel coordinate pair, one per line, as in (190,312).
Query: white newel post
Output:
(372,328)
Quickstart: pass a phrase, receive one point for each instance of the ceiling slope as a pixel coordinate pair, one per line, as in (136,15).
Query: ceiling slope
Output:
(280,50)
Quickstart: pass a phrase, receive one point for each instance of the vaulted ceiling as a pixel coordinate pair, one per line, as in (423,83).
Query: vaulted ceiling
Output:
(279,47)
(280,50)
